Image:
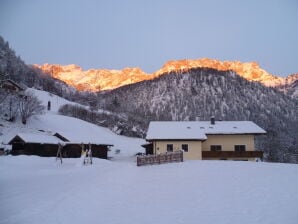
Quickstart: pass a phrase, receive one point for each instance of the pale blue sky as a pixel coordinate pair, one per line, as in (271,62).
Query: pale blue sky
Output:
(147,33)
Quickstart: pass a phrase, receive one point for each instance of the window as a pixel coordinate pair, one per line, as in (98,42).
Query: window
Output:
(215,148)
(239,148)
(184,147)
(169,147)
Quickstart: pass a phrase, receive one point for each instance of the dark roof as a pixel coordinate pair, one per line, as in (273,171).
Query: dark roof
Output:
(20,87)
(61,137)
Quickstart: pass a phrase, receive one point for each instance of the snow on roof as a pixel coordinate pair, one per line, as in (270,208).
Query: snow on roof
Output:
(39,138)
(199,129)
(11,81)
(49,139)
(75,130)
(231,127)
(175,130)
(78,138)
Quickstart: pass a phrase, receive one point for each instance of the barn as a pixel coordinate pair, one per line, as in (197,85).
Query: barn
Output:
(46,145)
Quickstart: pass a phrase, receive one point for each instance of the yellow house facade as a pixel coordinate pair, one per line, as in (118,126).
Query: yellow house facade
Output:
(194,150)
(233,140)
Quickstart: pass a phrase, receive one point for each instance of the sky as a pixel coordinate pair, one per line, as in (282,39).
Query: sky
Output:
(115,34)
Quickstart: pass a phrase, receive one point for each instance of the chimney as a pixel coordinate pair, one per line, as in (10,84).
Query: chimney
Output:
(212,120)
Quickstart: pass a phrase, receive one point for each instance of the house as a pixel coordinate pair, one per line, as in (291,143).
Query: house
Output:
(34,144)
(205,139)
(11,86)
(46,145)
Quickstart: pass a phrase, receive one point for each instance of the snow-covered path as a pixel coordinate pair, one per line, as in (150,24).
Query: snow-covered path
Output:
(38,190)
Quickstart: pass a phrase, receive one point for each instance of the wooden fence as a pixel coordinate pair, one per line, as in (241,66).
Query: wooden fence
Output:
(167,157)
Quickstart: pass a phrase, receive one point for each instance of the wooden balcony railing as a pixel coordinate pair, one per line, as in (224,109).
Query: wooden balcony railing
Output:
(232,154)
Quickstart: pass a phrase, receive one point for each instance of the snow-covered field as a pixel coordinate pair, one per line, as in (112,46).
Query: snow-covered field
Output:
(39,190)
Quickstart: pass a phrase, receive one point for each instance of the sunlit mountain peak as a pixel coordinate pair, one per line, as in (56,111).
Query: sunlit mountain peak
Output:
(104,79)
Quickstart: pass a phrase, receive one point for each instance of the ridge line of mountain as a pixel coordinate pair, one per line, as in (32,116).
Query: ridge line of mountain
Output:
(104,79)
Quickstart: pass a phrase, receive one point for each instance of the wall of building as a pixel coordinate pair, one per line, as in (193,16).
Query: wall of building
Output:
(234,159)
(228,142)
(45,150)
(100,151)
(194,148)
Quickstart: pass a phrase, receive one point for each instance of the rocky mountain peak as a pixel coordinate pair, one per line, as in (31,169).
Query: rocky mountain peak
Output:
(105,79)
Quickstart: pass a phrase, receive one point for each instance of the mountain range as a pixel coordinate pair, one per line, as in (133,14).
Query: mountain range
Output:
(105,79)
(180,90)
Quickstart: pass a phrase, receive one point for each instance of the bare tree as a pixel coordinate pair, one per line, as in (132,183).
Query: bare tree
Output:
(30,105)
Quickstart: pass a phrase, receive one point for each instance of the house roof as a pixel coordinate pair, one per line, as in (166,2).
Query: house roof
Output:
(19,86)
(174,130)
(37,138)
(199,129)
(52,139)
(85,138)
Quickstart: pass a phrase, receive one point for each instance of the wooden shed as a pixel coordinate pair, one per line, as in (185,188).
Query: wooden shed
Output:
(39,145)
(47,146)
(11,86)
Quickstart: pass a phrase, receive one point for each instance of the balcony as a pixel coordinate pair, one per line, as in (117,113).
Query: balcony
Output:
(232,154)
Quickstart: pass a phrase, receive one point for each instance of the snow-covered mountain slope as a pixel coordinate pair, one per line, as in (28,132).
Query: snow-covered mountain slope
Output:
(75,129)
(45,97)
(103,79)
(38,190)
(290,85)
(201,93)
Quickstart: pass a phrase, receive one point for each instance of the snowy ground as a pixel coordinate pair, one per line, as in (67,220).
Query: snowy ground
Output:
(39,190)
(75,130)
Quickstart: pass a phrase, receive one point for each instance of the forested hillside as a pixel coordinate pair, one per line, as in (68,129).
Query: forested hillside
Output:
(201,93)
(12,67)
